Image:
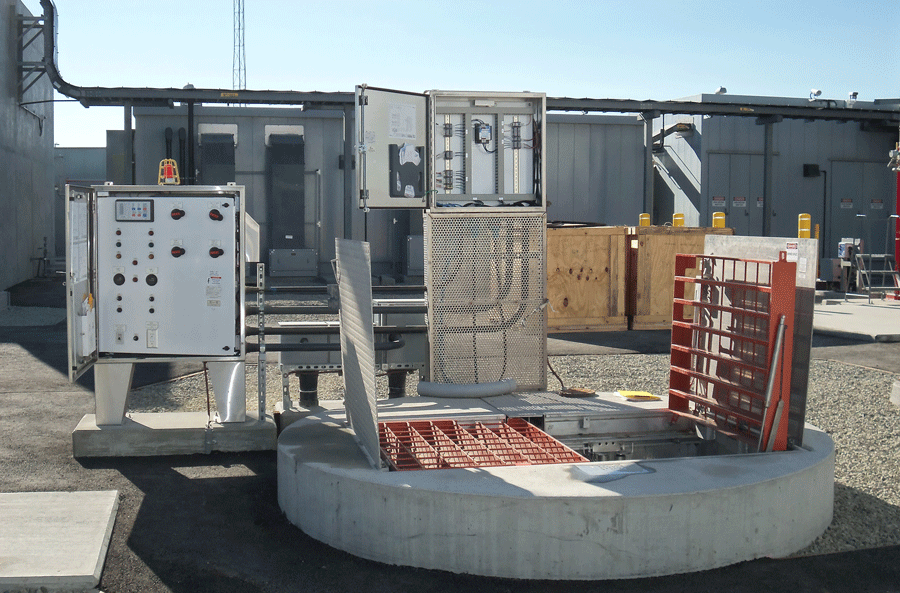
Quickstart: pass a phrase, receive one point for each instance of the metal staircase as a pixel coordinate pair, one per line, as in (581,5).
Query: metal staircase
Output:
(877,273)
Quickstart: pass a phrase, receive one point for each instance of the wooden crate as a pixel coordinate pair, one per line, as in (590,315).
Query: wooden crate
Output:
(586,278)
(653,252)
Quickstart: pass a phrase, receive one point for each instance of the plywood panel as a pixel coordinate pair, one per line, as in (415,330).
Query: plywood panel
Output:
(655,269)
(586,279)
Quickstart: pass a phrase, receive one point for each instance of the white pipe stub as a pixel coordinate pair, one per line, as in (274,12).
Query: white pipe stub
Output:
(472,390)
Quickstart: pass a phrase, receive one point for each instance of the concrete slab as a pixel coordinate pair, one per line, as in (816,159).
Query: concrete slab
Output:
(550,521)
(878,321)
(171,433)
(55,540)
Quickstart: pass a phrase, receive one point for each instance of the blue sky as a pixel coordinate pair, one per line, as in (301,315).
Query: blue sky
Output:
(644,50)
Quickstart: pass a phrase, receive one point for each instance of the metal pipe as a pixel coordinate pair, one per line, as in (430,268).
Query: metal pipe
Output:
(770,384)
(323,347)
(333,330)
(325,310)
(190,174)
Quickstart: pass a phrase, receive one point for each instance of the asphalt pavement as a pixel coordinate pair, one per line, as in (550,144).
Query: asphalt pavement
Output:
(211,522)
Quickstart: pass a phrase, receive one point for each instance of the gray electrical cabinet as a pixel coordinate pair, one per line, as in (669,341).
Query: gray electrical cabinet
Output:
(474,163)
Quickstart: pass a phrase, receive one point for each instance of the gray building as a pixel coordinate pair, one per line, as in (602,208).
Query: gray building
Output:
(26,150)
(836,171)
(292,163)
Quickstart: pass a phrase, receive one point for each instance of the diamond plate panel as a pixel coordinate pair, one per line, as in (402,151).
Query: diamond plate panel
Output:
(354,277)
(486,281)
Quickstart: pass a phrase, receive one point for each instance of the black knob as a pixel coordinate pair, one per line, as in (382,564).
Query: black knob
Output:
(135,338)
(150,244)
(118,309)
(216,215)
(118,243)
(152,310)
(177,213)
(119,279)
(152,298)
(177,251)
(152,279)
(216,252)
(119,297)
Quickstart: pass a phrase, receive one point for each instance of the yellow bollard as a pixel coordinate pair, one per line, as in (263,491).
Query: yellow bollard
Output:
(644,220)
(803,226)
(718,220)
(678,219)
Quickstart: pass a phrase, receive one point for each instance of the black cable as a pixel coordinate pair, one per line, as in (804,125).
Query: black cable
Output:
(561,384)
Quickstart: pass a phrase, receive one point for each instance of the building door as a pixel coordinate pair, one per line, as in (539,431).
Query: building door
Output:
(861,203)
(736,188)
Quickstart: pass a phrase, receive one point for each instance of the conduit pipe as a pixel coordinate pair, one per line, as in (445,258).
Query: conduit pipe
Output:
(466,390)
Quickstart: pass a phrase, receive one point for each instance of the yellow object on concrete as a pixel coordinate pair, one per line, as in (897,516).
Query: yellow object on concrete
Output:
(718,220)
(804,222)
(678,219)
(644,220)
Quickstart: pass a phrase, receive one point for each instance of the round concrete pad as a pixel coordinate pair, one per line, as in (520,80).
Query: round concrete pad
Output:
(556,521)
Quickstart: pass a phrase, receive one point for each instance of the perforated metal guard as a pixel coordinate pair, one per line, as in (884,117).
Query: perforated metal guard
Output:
(486,281)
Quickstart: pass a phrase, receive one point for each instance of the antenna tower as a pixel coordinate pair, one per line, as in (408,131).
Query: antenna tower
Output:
(239,62)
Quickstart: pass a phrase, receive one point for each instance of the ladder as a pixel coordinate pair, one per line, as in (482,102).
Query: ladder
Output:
(877,272)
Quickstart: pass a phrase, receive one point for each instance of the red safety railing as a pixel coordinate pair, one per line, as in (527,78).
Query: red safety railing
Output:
(444,444)
(732,344)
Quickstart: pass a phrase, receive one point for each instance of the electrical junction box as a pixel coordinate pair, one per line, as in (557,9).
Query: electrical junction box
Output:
(444,149)
(484,221)
(154,271)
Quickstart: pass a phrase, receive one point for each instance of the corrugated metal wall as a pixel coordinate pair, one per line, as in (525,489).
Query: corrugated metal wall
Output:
(594,168)
(725,156)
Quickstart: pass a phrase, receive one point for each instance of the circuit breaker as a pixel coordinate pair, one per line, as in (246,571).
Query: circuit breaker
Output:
(162,272)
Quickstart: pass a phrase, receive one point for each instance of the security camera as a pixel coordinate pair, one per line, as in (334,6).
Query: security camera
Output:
(853,95)
(813,93)
(721,90)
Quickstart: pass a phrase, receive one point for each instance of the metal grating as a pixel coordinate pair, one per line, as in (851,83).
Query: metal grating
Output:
(354,276)
(486,281)
(445,444)
(729,369)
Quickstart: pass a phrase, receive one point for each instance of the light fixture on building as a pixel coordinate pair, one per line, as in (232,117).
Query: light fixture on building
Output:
(721,90)
(814,94)
(852,98)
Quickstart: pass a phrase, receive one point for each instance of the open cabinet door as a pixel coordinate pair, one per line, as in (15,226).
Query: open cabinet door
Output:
(392,144)
(81,311)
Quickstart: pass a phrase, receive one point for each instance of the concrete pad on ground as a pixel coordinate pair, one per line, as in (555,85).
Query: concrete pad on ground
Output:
(171,433)
(55,540)
(878,321)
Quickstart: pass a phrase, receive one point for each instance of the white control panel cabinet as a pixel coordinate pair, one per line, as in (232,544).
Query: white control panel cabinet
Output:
(155,271)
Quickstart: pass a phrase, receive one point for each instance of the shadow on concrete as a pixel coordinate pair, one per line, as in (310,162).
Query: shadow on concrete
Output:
(212,523)
(48,343)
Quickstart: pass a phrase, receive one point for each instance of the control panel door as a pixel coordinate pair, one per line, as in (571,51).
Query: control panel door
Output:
(391,142)
(167,268)
(81,312)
